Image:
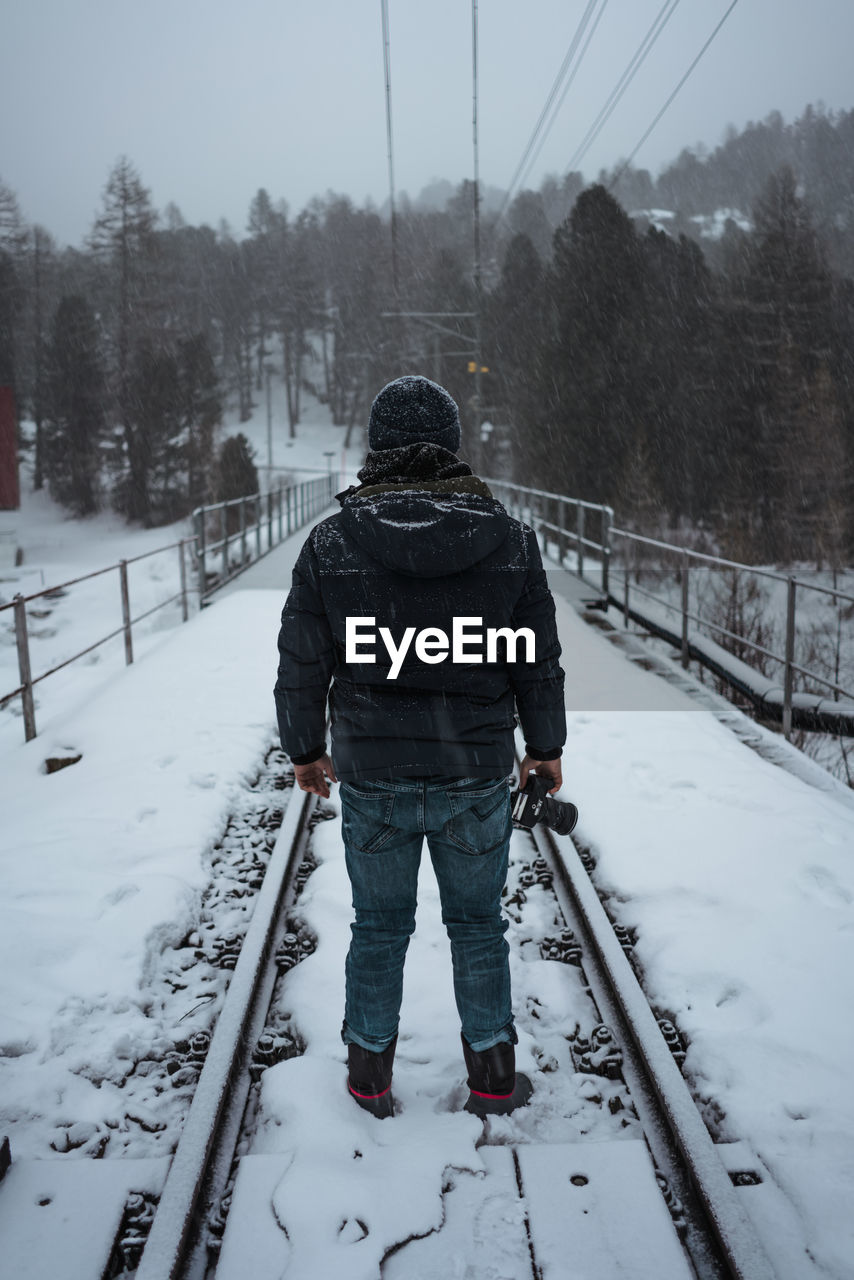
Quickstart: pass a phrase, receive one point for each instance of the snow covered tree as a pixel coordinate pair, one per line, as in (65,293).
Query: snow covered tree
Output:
(13,233)
(238,475)
(201,411)
(10,296)
(42,255)
(594,387)
(74,407)
(123,237)
(788,301)
(517,335)
(154,486)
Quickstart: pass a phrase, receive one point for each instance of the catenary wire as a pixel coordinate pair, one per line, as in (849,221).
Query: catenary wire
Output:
(637,60)
(690,70)
(566,89)
(390,144)
(552,94)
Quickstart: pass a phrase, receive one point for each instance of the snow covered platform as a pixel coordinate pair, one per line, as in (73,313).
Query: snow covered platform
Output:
(736,879)
(273,571)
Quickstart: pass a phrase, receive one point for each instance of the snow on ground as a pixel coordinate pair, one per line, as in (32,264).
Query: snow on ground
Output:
(316,435)
(57,548)
(713,225)
(737,877)
(101,863)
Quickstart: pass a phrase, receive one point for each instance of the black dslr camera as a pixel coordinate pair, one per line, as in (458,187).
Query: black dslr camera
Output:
(534,805)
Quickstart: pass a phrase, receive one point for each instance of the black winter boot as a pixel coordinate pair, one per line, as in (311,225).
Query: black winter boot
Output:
(369,1079)
(496,1087)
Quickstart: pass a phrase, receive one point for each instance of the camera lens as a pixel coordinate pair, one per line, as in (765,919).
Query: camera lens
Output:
(560,816)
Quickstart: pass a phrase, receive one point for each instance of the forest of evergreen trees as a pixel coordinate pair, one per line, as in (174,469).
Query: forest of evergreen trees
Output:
(686,381)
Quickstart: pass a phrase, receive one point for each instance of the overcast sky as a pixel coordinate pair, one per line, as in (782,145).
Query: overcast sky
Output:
(211,99)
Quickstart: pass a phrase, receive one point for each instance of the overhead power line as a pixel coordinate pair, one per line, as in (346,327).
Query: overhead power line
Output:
(390,145)
(552,94)
(689,72)
(635,63)
(566,90)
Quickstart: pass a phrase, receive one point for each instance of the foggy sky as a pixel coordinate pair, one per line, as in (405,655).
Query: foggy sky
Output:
(211,100)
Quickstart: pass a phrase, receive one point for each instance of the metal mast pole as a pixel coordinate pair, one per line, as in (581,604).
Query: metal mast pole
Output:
(387,67)
(478,280)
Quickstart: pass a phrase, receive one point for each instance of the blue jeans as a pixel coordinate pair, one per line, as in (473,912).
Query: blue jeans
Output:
(467,825)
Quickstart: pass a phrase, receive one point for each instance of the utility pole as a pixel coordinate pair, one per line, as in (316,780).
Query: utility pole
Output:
(478,278)
(268,372)
(389,140)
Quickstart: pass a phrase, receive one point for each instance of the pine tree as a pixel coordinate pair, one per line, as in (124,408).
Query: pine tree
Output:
(517,335)
(238,475)
(74,408)
(595,369)
(123,236)
(789,298)
(13,234)
(201,412)
(10,302)
(42,273)
(155,485)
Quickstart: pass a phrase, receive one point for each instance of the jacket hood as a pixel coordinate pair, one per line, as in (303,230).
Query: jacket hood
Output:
(426,533)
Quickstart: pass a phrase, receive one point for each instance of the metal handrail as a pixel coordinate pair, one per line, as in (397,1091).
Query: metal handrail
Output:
(706,622)
(685,556)
(20,602)
(96,573)
(295,505)
(303,501)
(720,562)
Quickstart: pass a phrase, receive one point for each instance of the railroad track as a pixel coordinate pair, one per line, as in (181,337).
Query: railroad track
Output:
(632,1062)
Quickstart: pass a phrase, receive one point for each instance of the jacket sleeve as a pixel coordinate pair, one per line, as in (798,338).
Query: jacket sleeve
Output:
(306,662)
(538,685)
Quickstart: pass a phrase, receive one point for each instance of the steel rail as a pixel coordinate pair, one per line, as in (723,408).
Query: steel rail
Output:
(176,1244)
(720,1239)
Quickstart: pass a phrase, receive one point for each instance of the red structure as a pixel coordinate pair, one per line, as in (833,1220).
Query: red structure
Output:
(10,494)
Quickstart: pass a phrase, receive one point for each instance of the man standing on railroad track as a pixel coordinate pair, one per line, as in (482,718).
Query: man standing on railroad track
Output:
(425,607)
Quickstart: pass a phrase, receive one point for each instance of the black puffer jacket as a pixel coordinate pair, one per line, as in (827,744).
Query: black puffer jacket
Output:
(420,542)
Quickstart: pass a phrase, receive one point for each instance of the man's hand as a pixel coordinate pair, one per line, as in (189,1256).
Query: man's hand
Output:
(543,769)
(312,777)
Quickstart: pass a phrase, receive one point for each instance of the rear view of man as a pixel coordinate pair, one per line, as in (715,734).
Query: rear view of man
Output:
(426,607)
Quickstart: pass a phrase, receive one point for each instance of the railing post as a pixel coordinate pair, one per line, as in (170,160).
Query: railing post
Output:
(24,669)
(269,519)
(182,565)
(580,537)
(606,551)
(279,511)
(201,551)
(243,530)
(123,578)
(686,656)
(223,532)
(788,674)
(626,590)
(259,520)
(562,539)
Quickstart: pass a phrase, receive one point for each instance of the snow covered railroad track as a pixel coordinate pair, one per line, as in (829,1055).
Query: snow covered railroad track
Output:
(589,1021)
(87,1213)
(242,1044)
(571,1174)
(646,1052)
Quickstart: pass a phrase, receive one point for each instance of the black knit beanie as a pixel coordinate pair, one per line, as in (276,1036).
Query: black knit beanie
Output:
(413,409)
